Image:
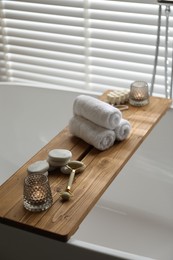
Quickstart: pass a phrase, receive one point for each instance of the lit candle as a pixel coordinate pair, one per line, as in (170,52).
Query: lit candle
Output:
(38,195)
(139,93)
(139,96)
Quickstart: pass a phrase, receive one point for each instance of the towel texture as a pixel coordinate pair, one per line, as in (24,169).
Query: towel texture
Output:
(97,111)
(101,138)
(122,130)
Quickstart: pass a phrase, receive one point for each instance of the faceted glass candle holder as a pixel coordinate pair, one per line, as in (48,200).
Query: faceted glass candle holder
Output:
(37,194)
(139,93)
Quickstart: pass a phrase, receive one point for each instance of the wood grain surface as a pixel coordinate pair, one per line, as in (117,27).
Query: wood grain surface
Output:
(62,219)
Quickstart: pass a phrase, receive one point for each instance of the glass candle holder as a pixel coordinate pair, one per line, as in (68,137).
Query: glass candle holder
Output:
(139,93)
(37,194)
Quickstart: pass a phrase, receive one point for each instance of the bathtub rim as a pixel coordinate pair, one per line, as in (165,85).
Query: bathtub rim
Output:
(105,250)
(63,88)
(48,87)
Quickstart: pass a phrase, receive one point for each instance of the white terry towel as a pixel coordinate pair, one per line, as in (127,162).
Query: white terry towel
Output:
(122,130)
(101,138)
(97,111)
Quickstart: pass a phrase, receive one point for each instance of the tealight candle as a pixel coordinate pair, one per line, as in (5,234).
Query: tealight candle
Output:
(118,96)
(139,93)
(37,194)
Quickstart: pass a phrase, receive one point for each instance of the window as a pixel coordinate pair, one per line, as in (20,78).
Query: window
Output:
(85,44)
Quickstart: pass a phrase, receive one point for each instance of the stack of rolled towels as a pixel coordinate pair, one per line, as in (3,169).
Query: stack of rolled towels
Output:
(97,122)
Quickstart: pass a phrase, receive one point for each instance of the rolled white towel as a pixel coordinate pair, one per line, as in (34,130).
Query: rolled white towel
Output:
(122,130)
(97,111)
(101,138)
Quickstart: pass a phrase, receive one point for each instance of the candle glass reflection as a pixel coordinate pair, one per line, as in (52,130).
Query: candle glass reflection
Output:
(139,93)
(37,194)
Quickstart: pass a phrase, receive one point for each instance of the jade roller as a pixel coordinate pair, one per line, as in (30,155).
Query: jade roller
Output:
(71,168)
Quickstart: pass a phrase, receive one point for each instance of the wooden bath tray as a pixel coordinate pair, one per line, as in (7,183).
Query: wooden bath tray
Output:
(62,219)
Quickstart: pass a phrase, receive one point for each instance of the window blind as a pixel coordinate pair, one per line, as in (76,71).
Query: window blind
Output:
(85,44)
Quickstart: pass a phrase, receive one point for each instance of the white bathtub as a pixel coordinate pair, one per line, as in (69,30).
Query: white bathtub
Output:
(134,217)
